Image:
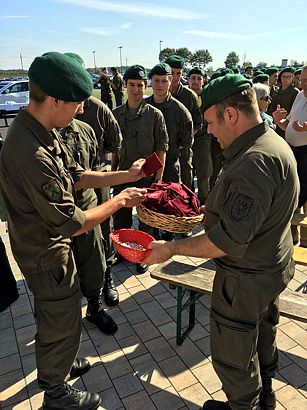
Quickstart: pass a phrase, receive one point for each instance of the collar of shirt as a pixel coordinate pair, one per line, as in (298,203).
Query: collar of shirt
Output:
(164,105)
(178,91)
(244,140)
(138,113)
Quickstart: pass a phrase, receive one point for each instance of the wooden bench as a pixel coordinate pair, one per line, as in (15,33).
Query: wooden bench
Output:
(197,280)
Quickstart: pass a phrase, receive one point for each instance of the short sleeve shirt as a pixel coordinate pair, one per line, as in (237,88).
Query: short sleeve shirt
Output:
(298,113)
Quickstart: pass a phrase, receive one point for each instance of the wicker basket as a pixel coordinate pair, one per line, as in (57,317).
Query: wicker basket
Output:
(135,236)
(170,223)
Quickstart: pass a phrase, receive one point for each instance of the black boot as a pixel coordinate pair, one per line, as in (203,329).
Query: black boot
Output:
(216,405)
(80,366)
(65,397)
(95,313)
(267,399)
(7,299)
(110,292)
(141,268)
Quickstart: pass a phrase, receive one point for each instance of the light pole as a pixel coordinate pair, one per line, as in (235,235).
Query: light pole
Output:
(94,61)
(120,58)
(160,42)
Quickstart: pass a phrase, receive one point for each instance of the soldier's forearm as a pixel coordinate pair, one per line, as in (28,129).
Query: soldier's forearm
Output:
(94,179)
(199,246)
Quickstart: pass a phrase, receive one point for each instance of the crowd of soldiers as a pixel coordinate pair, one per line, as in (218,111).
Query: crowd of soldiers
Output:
(62,188)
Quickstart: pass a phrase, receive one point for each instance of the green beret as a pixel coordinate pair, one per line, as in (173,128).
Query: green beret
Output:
(76,57)
(235,70)
(175,61)
(61,77)
(221,72)
(160,69)
(298,71)
(196,70)
(135,72)
(287,70)
(257,72)
(260,78)
(221,88)
(271,70)
(249,77)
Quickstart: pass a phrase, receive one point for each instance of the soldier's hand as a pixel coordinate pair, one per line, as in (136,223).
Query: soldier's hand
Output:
(161,252)
(279,114)
(299,127)
(132,196)
(136,171)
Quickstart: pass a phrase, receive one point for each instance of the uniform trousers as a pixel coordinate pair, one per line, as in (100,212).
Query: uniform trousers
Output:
(186,168)
(7,280)
(171,170)
(202,163)
(58,321)
(244,315)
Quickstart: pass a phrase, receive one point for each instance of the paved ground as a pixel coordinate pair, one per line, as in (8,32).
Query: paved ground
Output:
(141,367)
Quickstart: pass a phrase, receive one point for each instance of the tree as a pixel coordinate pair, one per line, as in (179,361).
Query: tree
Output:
(185,53)
(201,58)
(166,52)
(261,65)
(247,64)
(232,59)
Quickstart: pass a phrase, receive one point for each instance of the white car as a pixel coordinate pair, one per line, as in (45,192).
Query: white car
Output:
(13,95)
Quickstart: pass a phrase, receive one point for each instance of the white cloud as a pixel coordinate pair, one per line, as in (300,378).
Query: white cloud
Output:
(139,8)
(126,26)
(14,17)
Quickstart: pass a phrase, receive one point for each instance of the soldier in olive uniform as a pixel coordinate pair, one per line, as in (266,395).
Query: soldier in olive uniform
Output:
(108,137)
(144,132)
(38,179)
(177,118)
(202,161)
(285,95)
(250,206)
(117,84)
(189,99)
(105,87)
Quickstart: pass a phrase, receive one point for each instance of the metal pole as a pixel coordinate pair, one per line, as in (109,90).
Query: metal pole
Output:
(120,58)
(21,61)
(160,42)
(94,52)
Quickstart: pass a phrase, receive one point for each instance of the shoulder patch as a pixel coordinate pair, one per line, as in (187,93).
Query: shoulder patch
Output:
(53,191)
(241,207)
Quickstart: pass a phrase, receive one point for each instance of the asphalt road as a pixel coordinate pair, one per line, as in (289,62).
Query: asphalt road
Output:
(3,128)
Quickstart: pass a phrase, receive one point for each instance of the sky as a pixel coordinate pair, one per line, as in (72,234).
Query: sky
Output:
(267,31)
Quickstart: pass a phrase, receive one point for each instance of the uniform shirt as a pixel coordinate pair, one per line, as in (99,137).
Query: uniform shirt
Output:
(190,100)
(143,130)
(178,123)
(37,176)
(81,141)
(105,126)
(298,113)
(105,86)
(248,211)
(119,83)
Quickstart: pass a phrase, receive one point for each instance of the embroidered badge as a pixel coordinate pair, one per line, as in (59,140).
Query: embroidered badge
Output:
(199,101)
(53,191)
(241,207)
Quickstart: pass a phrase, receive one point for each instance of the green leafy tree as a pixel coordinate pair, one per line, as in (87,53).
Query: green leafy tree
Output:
(201,58)
(262,64)
(166,52)
(232,59)
(185,53)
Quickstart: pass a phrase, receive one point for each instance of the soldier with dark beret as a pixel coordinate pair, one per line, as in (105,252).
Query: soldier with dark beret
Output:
(177,118)
(144,132)
(38,178)
(250,206)
(249,70)
(297,79)
(202,161)
(272,72)
(117,85)
(285,96)
(105,87)
(261,78)
(189,99)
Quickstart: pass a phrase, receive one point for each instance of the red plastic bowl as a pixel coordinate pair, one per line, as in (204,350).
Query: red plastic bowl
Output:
(134,236)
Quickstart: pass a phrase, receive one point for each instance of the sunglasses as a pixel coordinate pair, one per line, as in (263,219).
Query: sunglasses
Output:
(266,98)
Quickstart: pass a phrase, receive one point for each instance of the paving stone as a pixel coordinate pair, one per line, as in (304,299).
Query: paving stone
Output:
(12,388)
(88,351)
(25,405)
(8,345)
(117,315)
(36,399)
(146,331)
(167,399)
(168,330)
(198,332)
(24,320)
(156,313)
(124,330)
(10,363)
(97,379)
(296,333)
(5,319)
(160,349)
(25,339)
(178,374)
(30,371)
(116,364)
(150,374)
(138,401)
(204,345)
(189,353)
(127,303)
(132,347)
(283,341)
(136,316)
(166,300)
(208,378)
(294,374)
(127,385)
(278,382)
(194,396)
(284,359)
(142,295)
(298,355)
(22,306)
(110,400)
(291,399)
(104,344)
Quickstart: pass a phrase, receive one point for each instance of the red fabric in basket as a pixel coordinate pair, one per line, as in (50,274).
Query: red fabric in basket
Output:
(172,199)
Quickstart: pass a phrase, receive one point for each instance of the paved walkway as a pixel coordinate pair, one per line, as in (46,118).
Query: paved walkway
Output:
(141,367)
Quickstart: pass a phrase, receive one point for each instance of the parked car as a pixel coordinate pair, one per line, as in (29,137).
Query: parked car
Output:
(13,95)
(95,78)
